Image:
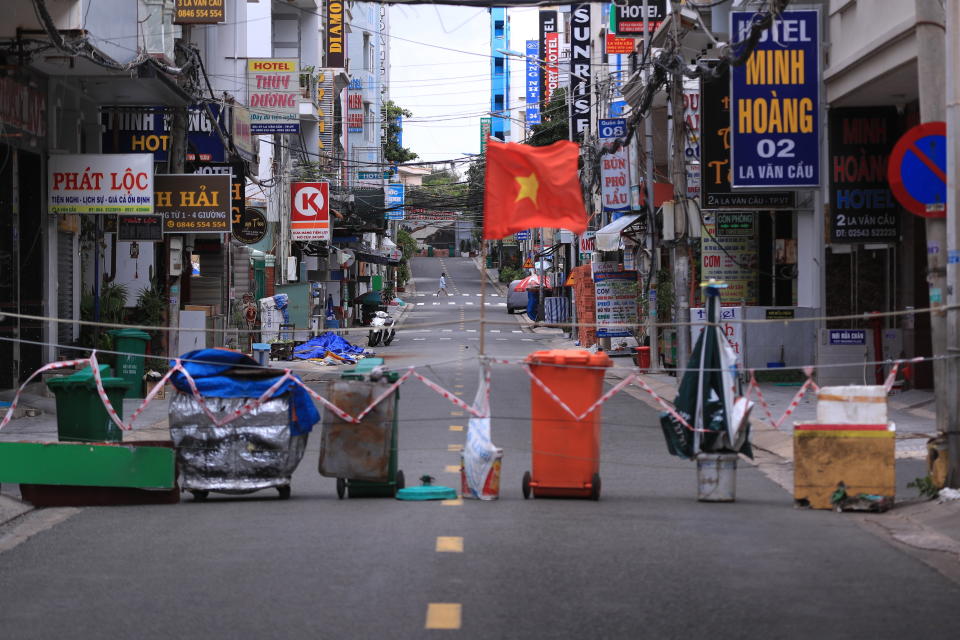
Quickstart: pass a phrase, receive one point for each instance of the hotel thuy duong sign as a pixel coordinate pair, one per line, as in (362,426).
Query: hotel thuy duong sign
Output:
(274,95)
(199,12)
(100,183)
(194,203)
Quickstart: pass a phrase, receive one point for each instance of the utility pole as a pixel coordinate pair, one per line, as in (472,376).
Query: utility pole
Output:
(651,239)
(931,55)
(952,364)
(678,175)
(175,164)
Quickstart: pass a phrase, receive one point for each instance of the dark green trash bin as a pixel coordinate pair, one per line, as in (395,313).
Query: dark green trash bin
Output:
(395,480)
(81,416)
(131,345)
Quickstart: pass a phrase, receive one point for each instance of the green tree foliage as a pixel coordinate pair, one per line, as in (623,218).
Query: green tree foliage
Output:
(392,151)
(555,122)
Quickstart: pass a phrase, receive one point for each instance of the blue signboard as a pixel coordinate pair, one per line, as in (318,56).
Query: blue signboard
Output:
(532,80)
(612,128)
(147,130)
(521,235)
(393,199)
(775,102)
(848,337)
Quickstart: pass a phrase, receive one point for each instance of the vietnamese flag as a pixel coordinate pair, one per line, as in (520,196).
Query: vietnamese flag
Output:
(529,187)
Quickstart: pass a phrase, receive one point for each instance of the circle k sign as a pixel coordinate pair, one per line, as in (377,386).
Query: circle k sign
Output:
(310,211)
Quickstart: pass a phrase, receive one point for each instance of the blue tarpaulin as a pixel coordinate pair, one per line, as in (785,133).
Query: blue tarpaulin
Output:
(208,374)
(319,346)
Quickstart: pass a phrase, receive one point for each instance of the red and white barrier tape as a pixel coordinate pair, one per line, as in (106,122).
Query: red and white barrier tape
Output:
(670,409)
(47,367)
(553,396)
(433,386)
(794,402)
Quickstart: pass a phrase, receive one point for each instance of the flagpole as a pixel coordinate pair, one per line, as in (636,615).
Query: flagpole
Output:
(483,294)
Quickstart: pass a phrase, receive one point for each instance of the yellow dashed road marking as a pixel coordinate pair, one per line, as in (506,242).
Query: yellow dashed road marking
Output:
(456,427)
(443,615)
(455,447)
(456,414)
(452,503)
(452,468)
(450,544)
(458,386)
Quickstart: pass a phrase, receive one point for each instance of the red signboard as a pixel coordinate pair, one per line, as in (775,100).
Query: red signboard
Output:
(310,211)
(552,67)
(616,44)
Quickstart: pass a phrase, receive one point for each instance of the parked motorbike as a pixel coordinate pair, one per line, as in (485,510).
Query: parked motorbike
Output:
(382,330)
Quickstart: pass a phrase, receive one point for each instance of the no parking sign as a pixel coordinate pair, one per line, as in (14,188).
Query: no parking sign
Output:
(917,170)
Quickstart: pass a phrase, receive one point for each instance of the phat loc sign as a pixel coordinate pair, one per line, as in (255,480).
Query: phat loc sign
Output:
(274,95)
(310,211)
(100,183)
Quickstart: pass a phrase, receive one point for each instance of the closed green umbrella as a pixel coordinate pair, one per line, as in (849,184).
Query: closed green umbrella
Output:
(709,397)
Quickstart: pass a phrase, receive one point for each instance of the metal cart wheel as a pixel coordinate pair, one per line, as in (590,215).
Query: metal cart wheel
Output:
(199,495)
(401,482)
(595,490)
(526,485)
(341,488)
(284,492)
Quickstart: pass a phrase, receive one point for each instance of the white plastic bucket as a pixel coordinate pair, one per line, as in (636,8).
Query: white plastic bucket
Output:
(716,477)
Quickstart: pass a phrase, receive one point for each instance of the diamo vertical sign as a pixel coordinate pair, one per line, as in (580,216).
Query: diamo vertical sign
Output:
(533,82)
(775,96)
(580,69)
(310,211)
(335,40)
(274,100)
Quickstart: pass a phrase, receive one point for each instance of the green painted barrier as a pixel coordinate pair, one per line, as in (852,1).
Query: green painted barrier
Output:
(92,465)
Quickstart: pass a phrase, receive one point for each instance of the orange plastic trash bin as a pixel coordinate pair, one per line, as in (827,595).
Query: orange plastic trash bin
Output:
(566,451)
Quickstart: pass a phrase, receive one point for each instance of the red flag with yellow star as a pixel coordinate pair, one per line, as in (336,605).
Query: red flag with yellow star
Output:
(530,187)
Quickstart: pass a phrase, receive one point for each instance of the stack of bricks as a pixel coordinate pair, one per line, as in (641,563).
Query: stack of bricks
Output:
(586,305)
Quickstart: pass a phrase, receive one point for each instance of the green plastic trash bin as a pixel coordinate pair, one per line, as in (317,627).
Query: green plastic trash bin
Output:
(81,416)
(131,345)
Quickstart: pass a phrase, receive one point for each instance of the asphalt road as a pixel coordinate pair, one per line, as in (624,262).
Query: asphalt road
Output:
(647,560)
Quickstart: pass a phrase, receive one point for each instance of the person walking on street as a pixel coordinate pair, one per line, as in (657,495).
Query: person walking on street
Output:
(443,285)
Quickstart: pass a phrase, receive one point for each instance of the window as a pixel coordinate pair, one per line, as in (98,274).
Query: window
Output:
(368,57)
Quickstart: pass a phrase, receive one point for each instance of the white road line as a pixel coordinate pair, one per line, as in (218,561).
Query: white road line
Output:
(502,339)
(451,303)
(419,338)
(446,338)
(494,330)
(447,330)
(420,304)
(515,331)
(471,330)
(526,339)
(470,303)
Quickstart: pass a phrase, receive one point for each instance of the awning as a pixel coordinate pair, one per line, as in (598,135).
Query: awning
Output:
(608,238)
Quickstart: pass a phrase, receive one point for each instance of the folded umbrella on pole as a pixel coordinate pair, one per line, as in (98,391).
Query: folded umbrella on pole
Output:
(709,398)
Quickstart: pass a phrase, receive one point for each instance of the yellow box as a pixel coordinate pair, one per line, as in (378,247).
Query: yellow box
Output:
(824,455)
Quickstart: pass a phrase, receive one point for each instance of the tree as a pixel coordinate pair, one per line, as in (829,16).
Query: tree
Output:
(392,151)
(555,122)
